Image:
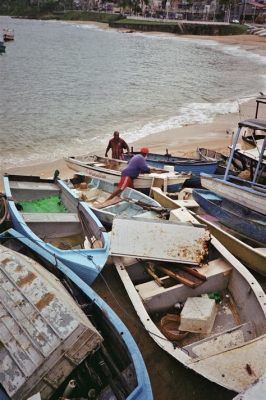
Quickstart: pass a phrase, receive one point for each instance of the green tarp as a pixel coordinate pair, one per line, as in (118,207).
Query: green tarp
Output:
(50,204)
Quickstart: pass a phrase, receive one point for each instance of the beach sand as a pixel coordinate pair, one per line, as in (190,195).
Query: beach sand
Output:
(216,135)
(170,380)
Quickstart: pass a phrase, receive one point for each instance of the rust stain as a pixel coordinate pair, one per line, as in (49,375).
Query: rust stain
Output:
(44,301)
(6,261)
(249,369)
(26,279)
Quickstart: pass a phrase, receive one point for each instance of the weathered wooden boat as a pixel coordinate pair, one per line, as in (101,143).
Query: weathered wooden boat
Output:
(251,253)
(249,223)
(225,344)
(250,158)
(130,202)
(110,170)
(180,164)
(8,34)
(252,195)
(256,391)
(184,199)
(46,211)
(59,339)
(212,155)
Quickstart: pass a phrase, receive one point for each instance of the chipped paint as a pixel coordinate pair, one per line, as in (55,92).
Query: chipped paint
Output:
(38,318)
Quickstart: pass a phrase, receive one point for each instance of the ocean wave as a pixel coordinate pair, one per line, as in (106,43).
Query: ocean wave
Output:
(193,113)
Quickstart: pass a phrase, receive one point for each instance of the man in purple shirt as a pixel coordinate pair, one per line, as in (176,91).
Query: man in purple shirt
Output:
(136,165)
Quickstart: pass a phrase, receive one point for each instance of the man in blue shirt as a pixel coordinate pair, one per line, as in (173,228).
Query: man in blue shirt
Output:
(136,166)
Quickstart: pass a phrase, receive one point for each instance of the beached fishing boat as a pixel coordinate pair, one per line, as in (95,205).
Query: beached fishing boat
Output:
(212,155)
(211,318)
(251,253)
(180,164)
(249,223)
(252,195)
(110,169)
(59,339)
(250,158)
(130,202)
(8,34)
(45,211)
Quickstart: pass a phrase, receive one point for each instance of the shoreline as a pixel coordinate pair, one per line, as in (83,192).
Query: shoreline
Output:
(183,141)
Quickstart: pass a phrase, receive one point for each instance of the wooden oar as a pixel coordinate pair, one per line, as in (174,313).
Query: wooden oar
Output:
(177,277)
(194,272)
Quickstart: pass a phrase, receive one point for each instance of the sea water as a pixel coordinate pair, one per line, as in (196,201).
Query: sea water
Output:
(66,87)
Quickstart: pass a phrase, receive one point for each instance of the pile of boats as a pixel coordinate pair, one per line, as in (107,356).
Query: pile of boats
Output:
(182,261)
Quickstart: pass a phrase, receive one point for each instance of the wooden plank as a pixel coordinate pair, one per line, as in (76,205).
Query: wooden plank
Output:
(177,277)
(159,240)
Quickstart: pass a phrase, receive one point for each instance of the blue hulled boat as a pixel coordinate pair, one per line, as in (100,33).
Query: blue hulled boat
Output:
(247,222)
(180,164)
(45,211)
(70,344)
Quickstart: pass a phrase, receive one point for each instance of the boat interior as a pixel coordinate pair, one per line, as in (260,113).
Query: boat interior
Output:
(237,311)
(101,162)
(54,215)
(95,192)
(103,366)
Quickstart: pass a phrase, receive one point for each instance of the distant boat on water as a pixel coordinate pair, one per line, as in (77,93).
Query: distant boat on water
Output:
(8,34)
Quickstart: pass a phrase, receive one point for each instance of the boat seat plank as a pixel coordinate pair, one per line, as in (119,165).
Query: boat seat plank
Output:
(34,186)
(50,217)
(222,341)
(160,298)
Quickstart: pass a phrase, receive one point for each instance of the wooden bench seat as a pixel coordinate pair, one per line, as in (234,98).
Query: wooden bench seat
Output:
(33,185)
(219,342)
(50,217)
(159,298)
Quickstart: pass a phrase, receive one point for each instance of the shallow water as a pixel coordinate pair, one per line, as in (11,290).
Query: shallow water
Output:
(66,87)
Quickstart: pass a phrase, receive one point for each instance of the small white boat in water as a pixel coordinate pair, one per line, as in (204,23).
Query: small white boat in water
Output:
(210,317)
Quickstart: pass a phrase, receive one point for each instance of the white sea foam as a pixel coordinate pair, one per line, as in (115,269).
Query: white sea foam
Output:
(193,113)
